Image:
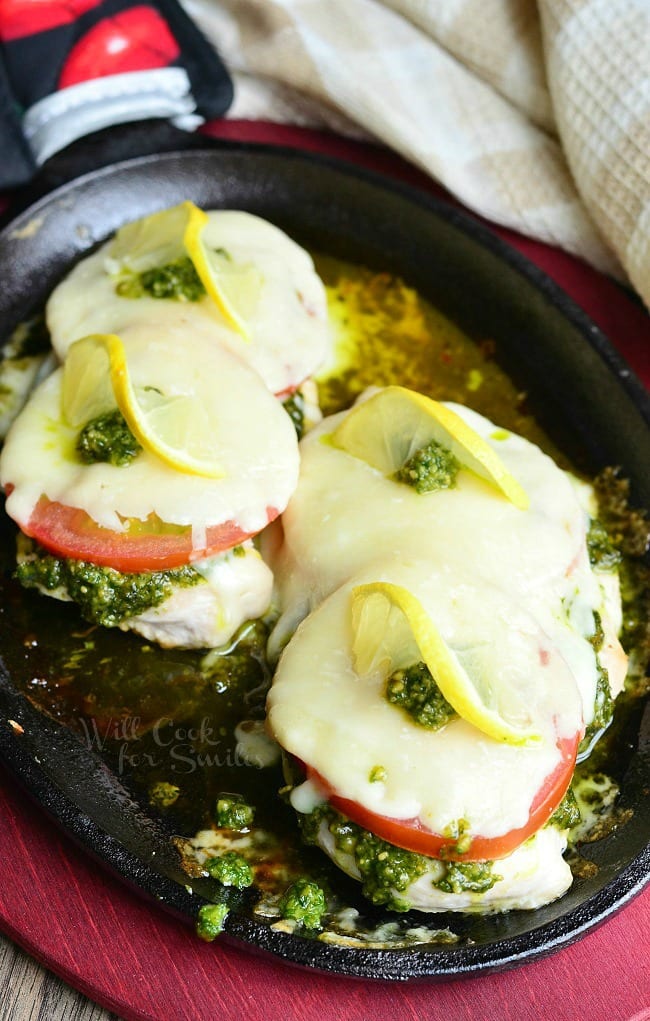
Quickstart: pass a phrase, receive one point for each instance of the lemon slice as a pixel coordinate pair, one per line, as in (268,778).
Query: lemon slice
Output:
(176,428)
(392,630)
(229,285)
(153,240)
(87,391)
(386,430)
(166,236)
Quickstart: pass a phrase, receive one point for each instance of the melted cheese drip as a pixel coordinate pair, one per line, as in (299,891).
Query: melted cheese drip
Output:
(323,712)
(255,442)
(345,515)
(285,309)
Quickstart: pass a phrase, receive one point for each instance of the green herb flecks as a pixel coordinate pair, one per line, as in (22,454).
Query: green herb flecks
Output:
(107,438)
(414,690)
(432,467)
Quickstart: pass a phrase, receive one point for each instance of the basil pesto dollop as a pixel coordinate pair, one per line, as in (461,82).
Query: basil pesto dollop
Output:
(230,869)
(107,438)
(304,902)
(210,921)
(177,280)
(233,813)
(414,690)
(432,467)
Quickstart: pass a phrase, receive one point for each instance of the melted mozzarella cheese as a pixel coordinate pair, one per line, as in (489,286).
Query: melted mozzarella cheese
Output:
(254,441)
(345,514)
(340,723)
(285,306)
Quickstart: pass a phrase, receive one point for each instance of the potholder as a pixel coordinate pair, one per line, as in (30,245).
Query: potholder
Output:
(71,67)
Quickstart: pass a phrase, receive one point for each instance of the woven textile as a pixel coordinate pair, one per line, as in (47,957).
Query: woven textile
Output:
(534,114)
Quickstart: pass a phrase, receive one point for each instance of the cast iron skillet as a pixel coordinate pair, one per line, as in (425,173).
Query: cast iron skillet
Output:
(580,389)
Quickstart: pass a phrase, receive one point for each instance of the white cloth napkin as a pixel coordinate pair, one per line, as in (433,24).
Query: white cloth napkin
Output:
(534,114)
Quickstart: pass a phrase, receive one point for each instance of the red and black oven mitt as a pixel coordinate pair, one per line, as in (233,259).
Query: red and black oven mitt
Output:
(72,67)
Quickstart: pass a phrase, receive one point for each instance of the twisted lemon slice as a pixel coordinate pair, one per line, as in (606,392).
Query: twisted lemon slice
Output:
(176,428)
(166,236)
(392,630)
(388,428)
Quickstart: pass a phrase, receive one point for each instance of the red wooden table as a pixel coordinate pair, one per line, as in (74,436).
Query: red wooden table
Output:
(135,959)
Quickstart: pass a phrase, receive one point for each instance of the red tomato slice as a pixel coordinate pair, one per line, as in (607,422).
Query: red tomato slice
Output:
(151,545)
(413,836)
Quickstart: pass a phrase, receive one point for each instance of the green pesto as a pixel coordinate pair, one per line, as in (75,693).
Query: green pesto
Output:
(231,869)
(232,671)
(378,774)
(177,280)
(163,794)
(460,832)
(603,554)
(107,438)
(210,921)
(467,876)
(294,408)
(603,708)
(104,596)
(304,901)
(598,636)
(233,813)
(432,467)
(415,691)
(567,814)
(387,871)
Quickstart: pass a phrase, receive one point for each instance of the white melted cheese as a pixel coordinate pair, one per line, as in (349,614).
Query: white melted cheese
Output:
(344,515)
(341,724)
(254,441)
(283,304)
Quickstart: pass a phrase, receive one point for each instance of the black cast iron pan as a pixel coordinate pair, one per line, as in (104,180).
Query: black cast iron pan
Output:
(580,389)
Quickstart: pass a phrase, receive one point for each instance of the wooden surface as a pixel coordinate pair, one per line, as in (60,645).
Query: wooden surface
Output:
(133,958)
(28,992)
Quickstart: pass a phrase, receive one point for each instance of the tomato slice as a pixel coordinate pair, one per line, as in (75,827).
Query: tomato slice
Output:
(150,545)
(412,835)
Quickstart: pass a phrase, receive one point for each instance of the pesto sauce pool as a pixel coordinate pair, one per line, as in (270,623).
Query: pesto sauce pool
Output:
(165,720)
